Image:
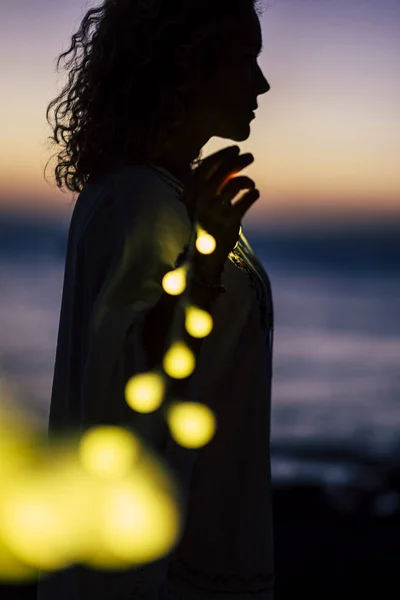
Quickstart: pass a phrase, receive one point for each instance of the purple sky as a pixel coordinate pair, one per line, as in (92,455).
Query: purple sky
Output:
(326,139)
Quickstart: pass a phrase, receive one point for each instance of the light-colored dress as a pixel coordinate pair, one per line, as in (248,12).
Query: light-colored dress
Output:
(126,231)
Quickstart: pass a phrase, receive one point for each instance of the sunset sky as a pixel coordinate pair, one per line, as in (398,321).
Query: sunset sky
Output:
(326,139)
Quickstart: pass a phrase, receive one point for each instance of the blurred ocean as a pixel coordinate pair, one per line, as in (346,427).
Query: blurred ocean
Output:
(337,338)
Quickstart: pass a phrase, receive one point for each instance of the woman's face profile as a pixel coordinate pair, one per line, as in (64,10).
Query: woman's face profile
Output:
(222,102)
(229,95)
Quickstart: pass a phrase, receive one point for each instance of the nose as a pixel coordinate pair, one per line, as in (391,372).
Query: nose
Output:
(263,85)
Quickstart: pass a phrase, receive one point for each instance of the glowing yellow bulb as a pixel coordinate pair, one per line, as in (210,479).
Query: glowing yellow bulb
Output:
(75,492)
(139,524)
(192,424)
(179,362)
(85,500)
(205,243)
(33,525)
(145,392)
(174,282)
(108,452)
(198,322)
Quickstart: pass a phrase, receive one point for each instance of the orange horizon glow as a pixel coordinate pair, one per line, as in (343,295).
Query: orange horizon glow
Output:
(326,137)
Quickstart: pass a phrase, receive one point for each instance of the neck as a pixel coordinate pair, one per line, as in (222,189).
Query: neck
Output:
(184,174)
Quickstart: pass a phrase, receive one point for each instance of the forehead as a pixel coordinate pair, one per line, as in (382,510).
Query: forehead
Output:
(245,31)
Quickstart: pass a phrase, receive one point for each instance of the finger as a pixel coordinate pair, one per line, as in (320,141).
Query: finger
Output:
(235,185)
(243,205)
(212,162)
(227,171)
(206,171)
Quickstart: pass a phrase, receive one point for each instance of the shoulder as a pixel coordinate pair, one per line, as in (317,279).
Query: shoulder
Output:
(143,199)
(132,202)
(116,192)
(139,189)
(137,175)
(125,189)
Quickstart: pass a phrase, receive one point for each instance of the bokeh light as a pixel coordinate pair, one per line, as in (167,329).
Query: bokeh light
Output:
(205,243)
(179,361)
(144,393)
(33,524)
(174,282)
(192,424)
(108,452)
(138,523)
(198,322)
(98,499)
(12,569)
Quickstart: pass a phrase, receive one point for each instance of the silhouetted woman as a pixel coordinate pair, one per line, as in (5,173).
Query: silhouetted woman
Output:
(154,81)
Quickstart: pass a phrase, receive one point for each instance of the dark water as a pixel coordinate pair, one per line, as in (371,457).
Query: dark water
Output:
(336,380)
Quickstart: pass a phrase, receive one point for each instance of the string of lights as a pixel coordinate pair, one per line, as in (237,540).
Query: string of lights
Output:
(102,499)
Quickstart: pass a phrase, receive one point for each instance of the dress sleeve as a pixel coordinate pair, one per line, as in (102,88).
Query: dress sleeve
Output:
(127,246)
(147,231)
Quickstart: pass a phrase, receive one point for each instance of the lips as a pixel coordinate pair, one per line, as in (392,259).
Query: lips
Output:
(252,111)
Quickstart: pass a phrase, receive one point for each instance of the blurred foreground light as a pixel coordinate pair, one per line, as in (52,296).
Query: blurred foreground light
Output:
(179,361)
(76,491)
(174,282)
(192,424)
(198,322)
(12,569)
(108,452)
(205,243)
(60,514)
(99,500)
(106,539)
(33,526)
(144,393)
(138,523)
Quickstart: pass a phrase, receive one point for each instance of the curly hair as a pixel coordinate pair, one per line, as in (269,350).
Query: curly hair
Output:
(128,87)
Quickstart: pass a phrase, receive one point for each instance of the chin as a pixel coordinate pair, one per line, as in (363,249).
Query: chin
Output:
(237,134)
